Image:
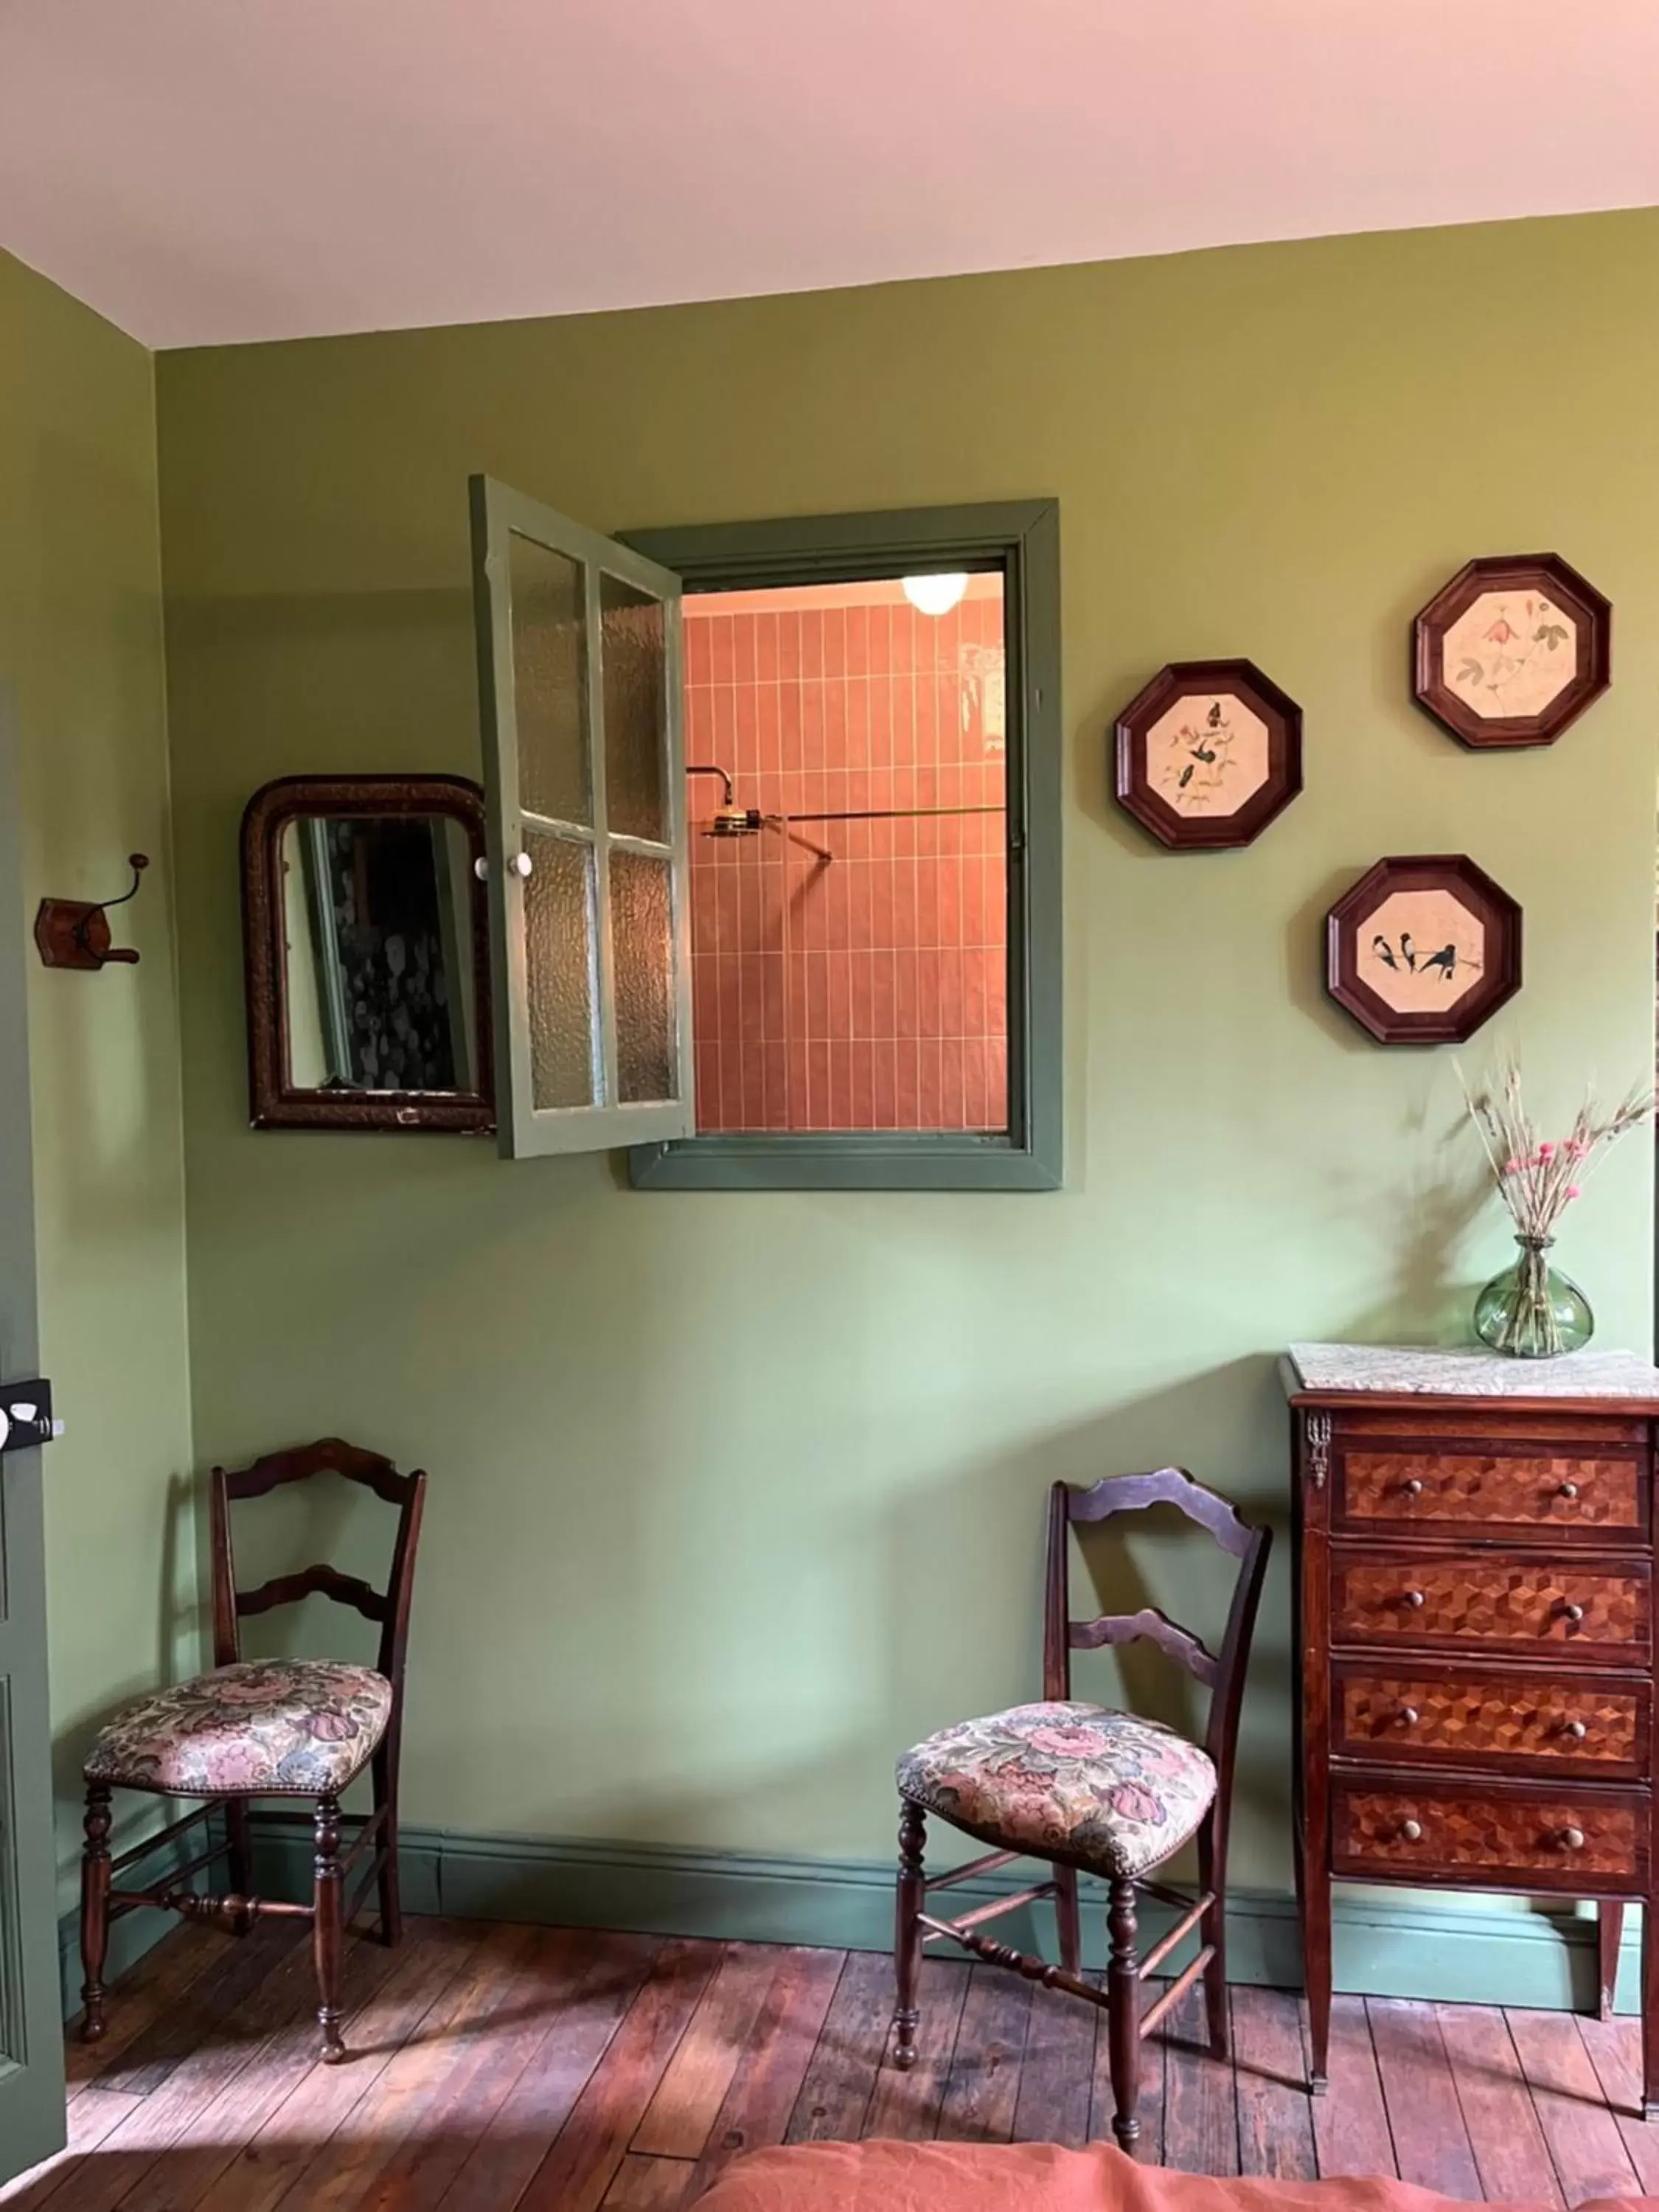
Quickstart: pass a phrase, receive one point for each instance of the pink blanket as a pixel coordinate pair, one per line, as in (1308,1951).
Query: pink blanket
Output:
(891,2176)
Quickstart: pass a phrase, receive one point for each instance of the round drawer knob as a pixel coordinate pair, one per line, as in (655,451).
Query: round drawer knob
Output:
(1576,1730)
(1412,1598)
(1566,1490)
(1411,1832)
(1408,1717)
(1573,1840)
(1571,1612)
(521,864)
(1412,1485)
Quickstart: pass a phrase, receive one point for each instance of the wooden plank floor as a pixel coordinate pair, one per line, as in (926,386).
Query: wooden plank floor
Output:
(556,2070)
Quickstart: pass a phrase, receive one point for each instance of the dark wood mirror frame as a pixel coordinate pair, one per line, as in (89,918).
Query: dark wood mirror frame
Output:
(274,1103)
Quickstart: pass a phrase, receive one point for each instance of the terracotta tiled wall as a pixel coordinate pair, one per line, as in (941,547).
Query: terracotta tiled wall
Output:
(869,992)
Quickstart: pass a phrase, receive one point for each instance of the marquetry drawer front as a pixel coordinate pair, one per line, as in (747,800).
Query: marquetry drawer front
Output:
(1482,1602)
(1556,1841)
(1581,1498)
(1398,1717)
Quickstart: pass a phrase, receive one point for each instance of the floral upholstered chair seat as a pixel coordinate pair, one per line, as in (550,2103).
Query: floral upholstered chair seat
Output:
(1102,1789)
(260,1728)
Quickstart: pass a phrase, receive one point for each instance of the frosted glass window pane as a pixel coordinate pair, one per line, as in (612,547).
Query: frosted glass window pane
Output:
(642,953)
(635,676)
(559,943)
(549,675)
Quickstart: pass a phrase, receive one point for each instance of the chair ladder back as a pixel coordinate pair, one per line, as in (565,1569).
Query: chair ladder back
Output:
(389,1607)
(1223,1675)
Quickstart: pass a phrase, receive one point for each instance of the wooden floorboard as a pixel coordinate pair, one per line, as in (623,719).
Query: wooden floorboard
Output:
(1270,2075)
(527,2069)
(1615,2052)
(1584,2142)
(582,2164)
(1057,2073)
(841,2079)
(678,2118)
(259,2173)
(1502,2122)
(982,2091)
(766,2082)
(576,2036)
(1426,2119)
(1200,2110)
(1351,2120)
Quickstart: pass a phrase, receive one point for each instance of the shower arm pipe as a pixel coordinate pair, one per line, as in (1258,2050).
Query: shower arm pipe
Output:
(893,813)
(708,768)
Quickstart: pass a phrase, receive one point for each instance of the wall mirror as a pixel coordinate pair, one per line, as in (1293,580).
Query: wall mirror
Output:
(364,922)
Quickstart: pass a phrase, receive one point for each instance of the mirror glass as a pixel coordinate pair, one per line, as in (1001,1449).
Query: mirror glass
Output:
(379,985)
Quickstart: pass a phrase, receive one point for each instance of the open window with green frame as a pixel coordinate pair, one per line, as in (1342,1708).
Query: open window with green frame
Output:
(775,811)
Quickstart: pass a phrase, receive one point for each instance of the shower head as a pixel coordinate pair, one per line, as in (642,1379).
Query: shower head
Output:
(735,822)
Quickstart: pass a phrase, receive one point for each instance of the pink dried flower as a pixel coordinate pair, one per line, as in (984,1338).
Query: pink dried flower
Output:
(1573,1191)
(1511,1167)
(1546,1151)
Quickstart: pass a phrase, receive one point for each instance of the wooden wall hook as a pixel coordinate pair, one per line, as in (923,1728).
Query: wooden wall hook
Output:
(75,933)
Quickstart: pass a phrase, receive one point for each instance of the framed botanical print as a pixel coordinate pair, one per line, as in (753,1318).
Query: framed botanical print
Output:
(1512,650)
(1423,949)
(1208,754)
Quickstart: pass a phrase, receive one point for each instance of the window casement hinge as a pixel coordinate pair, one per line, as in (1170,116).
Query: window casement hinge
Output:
(1316,1439)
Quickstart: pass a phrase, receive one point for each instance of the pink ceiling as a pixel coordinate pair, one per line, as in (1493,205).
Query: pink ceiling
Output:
(211,170)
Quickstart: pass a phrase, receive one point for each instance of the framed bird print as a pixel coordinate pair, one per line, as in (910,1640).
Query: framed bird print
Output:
(1511,651)
(1423,949)
(1208,754)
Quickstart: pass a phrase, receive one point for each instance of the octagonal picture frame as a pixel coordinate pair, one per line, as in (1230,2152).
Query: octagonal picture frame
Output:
(1511,651)
(1399,942)
(1207,755)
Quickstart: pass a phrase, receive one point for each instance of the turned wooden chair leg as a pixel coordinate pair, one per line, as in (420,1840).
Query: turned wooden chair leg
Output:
(386,1800)
(328,1930)
(1212,1928)
(1123,2014)
(94,1912)
(907,1933)
(1609,1930)
(1068,1919)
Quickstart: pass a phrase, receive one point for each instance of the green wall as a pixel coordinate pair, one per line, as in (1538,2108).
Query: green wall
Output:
(735,1494)
(81,635)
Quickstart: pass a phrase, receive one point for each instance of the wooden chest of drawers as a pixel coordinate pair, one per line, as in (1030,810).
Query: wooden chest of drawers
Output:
(1474,1593)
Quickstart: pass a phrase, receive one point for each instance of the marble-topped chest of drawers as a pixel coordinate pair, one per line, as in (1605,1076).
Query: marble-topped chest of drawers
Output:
(1475,1627)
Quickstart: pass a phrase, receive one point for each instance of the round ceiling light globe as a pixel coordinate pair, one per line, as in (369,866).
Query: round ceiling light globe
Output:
(934,595)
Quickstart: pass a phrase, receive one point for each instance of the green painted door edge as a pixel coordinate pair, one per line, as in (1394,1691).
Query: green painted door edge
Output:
(32,2124)
(1022,538)
(1446,1954)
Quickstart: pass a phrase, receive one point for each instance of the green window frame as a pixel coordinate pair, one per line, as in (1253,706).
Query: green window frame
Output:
(1022,539)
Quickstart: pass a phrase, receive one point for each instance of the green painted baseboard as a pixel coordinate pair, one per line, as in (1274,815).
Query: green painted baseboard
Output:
(1410,1947)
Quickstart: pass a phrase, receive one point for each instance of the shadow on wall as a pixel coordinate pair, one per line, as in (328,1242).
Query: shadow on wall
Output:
(945,1591)
(183,1644)
(1443,1195)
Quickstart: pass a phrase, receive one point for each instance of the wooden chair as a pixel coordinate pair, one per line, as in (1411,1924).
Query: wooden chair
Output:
(258,1728)
(1092,1791)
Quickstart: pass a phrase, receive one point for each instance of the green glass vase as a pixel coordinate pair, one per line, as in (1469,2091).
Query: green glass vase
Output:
(1530,1311)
